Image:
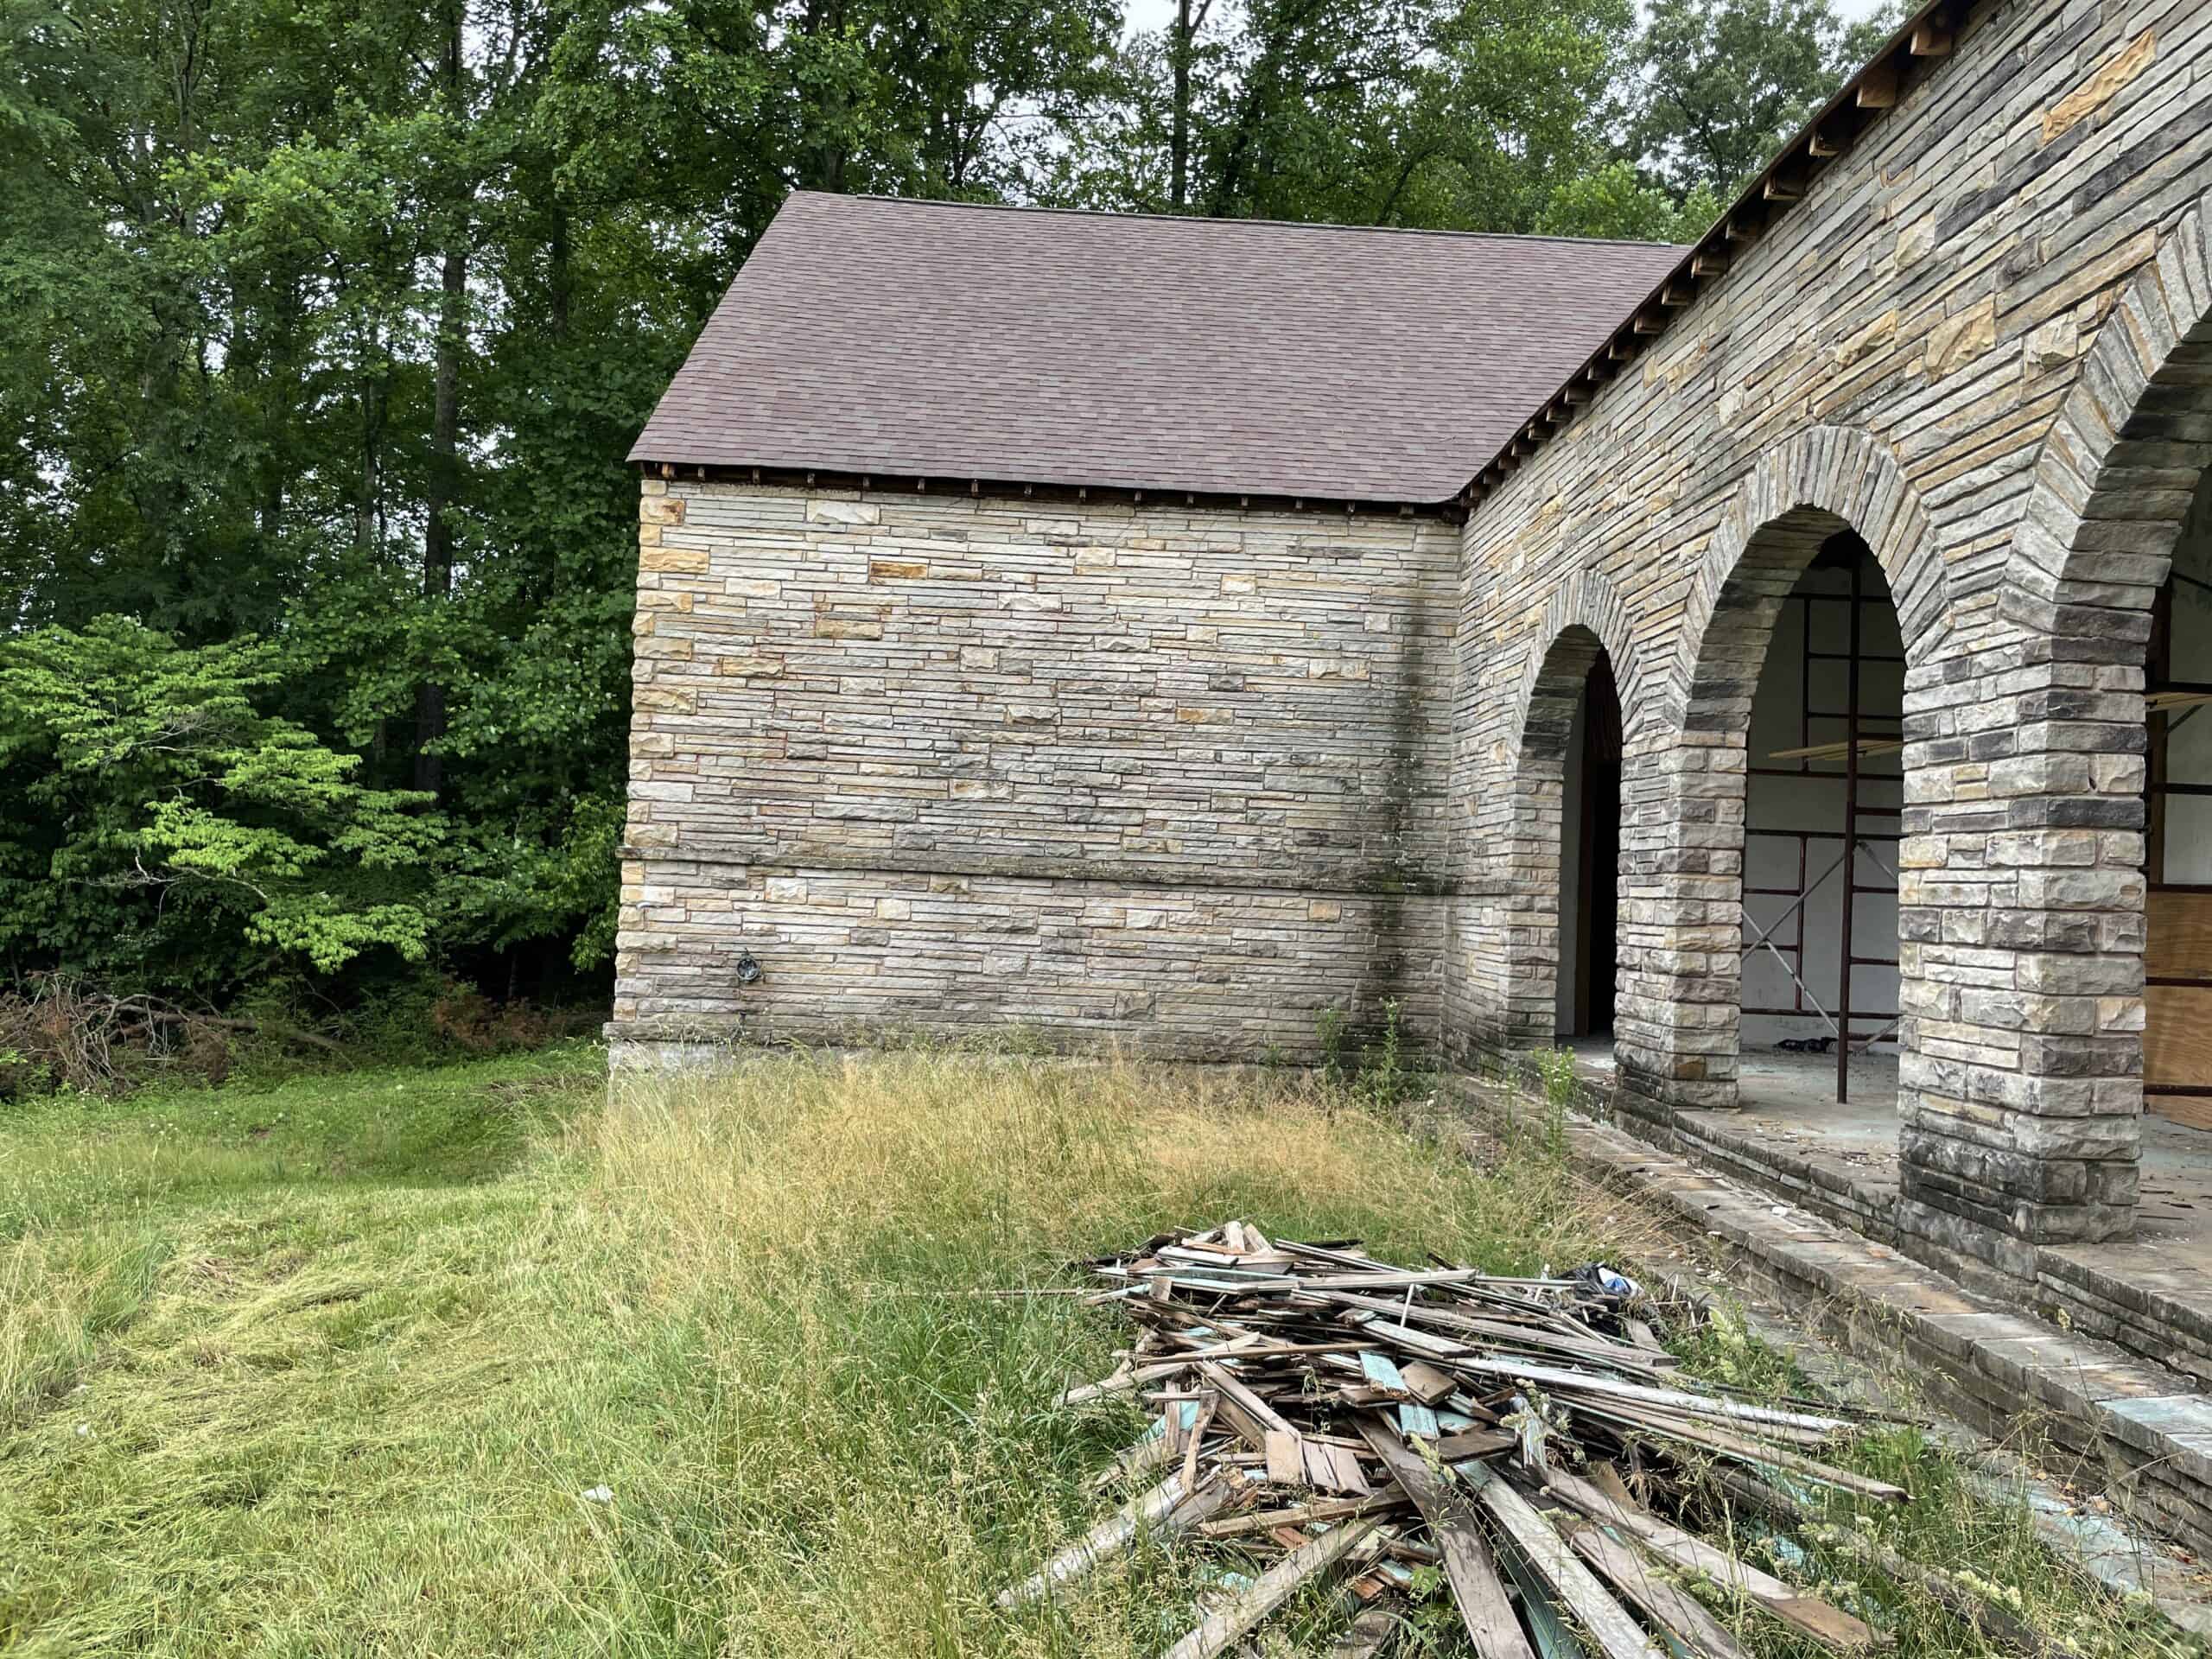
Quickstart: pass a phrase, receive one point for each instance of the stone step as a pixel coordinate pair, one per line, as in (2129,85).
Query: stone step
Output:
(2090,1412)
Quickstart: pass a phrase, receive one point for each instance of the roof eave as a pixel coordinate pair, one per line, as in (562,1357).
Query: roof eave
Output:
(1924,37)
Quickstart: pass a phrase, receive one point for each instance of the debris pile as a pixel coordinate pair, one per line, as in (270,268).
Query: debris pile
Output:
(1318,1413)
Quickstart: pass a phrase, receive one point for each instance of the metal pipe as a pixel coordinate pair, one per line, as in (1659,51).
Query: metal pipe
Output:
(1850,838)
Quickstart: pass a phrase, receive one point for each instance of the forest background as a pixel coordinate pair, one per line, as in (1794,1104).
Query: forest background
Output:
(325,328)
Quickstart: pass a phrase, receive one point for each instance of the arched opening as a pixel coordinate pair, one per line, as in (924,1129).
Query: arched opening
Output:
(1822,824)
(1561,965)
(2177,830)
(1762,967)
(1590,860)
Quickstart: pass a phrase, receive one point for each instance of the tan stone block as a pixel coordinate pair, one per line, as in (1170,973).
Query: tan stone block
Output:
(757,666)
(2055,345)
(674,561)
(2100,88)
(786,890)
(660,510)
(1192,716)
(648,535)
(979,657)
(1325,910)
(894,910)
(1961,339)
(665,699)
(896,569)
(1916,242)
(846,628)
(1868,339)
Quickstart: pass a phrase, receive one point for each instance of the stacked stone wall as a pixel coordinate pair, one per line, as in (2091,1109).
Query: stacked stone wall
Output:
(1168,775)
(1937,348)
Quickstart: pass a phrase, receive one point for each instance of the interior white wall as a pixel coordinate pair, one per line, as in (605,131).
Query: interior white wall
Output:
(1570,865)
(1814,801)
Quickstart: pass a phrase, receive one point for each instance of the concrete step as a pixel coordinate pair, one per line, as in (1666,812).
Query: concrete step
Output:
(2085,1409)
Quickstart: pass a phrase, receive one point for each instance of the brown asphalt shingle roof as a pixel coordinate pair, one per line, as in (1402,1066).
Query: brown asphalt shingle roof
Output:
(1012,344)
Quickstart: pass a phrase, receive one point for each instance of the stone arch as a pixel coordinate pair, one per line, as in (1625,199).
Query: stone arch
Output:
(2114,475)
(1585,616)
(2111,489)
(1823,479)
(1679,1021)
(1587,601)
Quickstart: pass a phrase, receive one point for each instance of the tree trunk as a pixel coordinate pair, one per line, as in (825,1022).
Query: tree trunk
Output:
(1178,194)
(438,494)
(442,475)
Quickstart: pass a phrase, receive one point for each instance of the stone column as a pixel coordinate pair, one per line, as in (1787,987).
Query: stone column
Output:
(1678,1013)
(2020,931)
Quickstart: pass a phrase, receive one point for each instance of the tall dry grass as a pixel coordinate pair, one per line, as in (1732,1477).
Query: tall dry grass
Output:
(481,1361)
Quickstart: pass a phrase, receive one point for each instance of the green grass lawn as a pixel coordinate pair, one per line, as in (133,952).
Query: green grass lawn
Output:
(329,1368)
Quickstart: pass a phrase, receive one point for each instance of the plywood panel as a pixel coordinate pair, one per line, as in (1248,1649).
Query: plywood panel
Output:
(2177,1036)
(2191,1111)
(2180,946)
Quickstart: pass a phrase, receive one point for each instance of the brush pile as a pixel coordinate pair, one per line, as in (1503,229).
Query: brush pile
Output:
(1320,1414)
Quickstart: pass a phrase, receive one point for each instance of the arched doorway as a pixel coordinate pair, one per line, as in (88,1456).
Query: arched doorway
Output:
(1822,826)
(1561,964)
(2177,830)
(1590,859)
(1680,1043)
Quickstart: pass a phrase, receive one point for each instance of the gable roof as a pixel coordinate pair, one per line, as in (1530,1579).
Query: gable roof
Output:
(913,340)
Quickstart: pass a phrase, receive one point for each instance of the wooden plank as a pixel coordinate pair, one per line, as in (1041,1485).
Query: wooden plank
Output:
(2191,1111)
(1602,1618)
(1230,1621)
(1124,1380)
(2178,935)
(1322,1509)
(1382,1372)
(1165,1507)
(2177,1036)
(1807,1614)
(1468,1565)
(1285,1454)
(1251,1416)
(1697,1405)
(1554,1637)
(1665,1604)
(1367,1635)
(1428,1384)
(1335,1468)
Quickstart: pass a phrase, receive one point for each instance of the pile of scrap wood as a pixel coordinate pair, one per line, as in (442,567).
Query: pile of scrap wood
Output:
(1318,1413)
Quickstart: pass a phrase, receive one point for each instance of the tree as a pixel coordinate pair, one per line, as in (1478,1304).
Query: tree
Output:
(1716,86)
(180,830)
(1437,114)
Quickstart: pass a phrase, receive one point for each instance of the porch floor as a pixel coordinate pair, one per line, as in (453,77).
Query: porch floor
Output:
(1790,1137)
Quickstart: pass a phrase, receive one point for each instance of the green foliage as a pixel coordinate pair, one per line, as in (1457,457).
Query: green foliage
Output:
(1717,85)
(173,821)
(1377,1068)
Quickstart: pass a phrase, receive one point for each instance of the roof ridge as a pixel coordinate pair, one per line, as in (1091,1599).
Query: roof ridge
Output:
(1042,208)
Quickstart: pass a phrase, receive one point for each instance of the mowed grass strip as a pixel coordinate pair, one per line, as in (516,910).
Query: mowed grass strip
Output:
(344,1367)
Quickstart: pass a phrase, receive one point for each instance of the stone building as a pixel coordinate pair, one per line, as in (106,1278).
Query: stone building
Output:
(1189,633)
